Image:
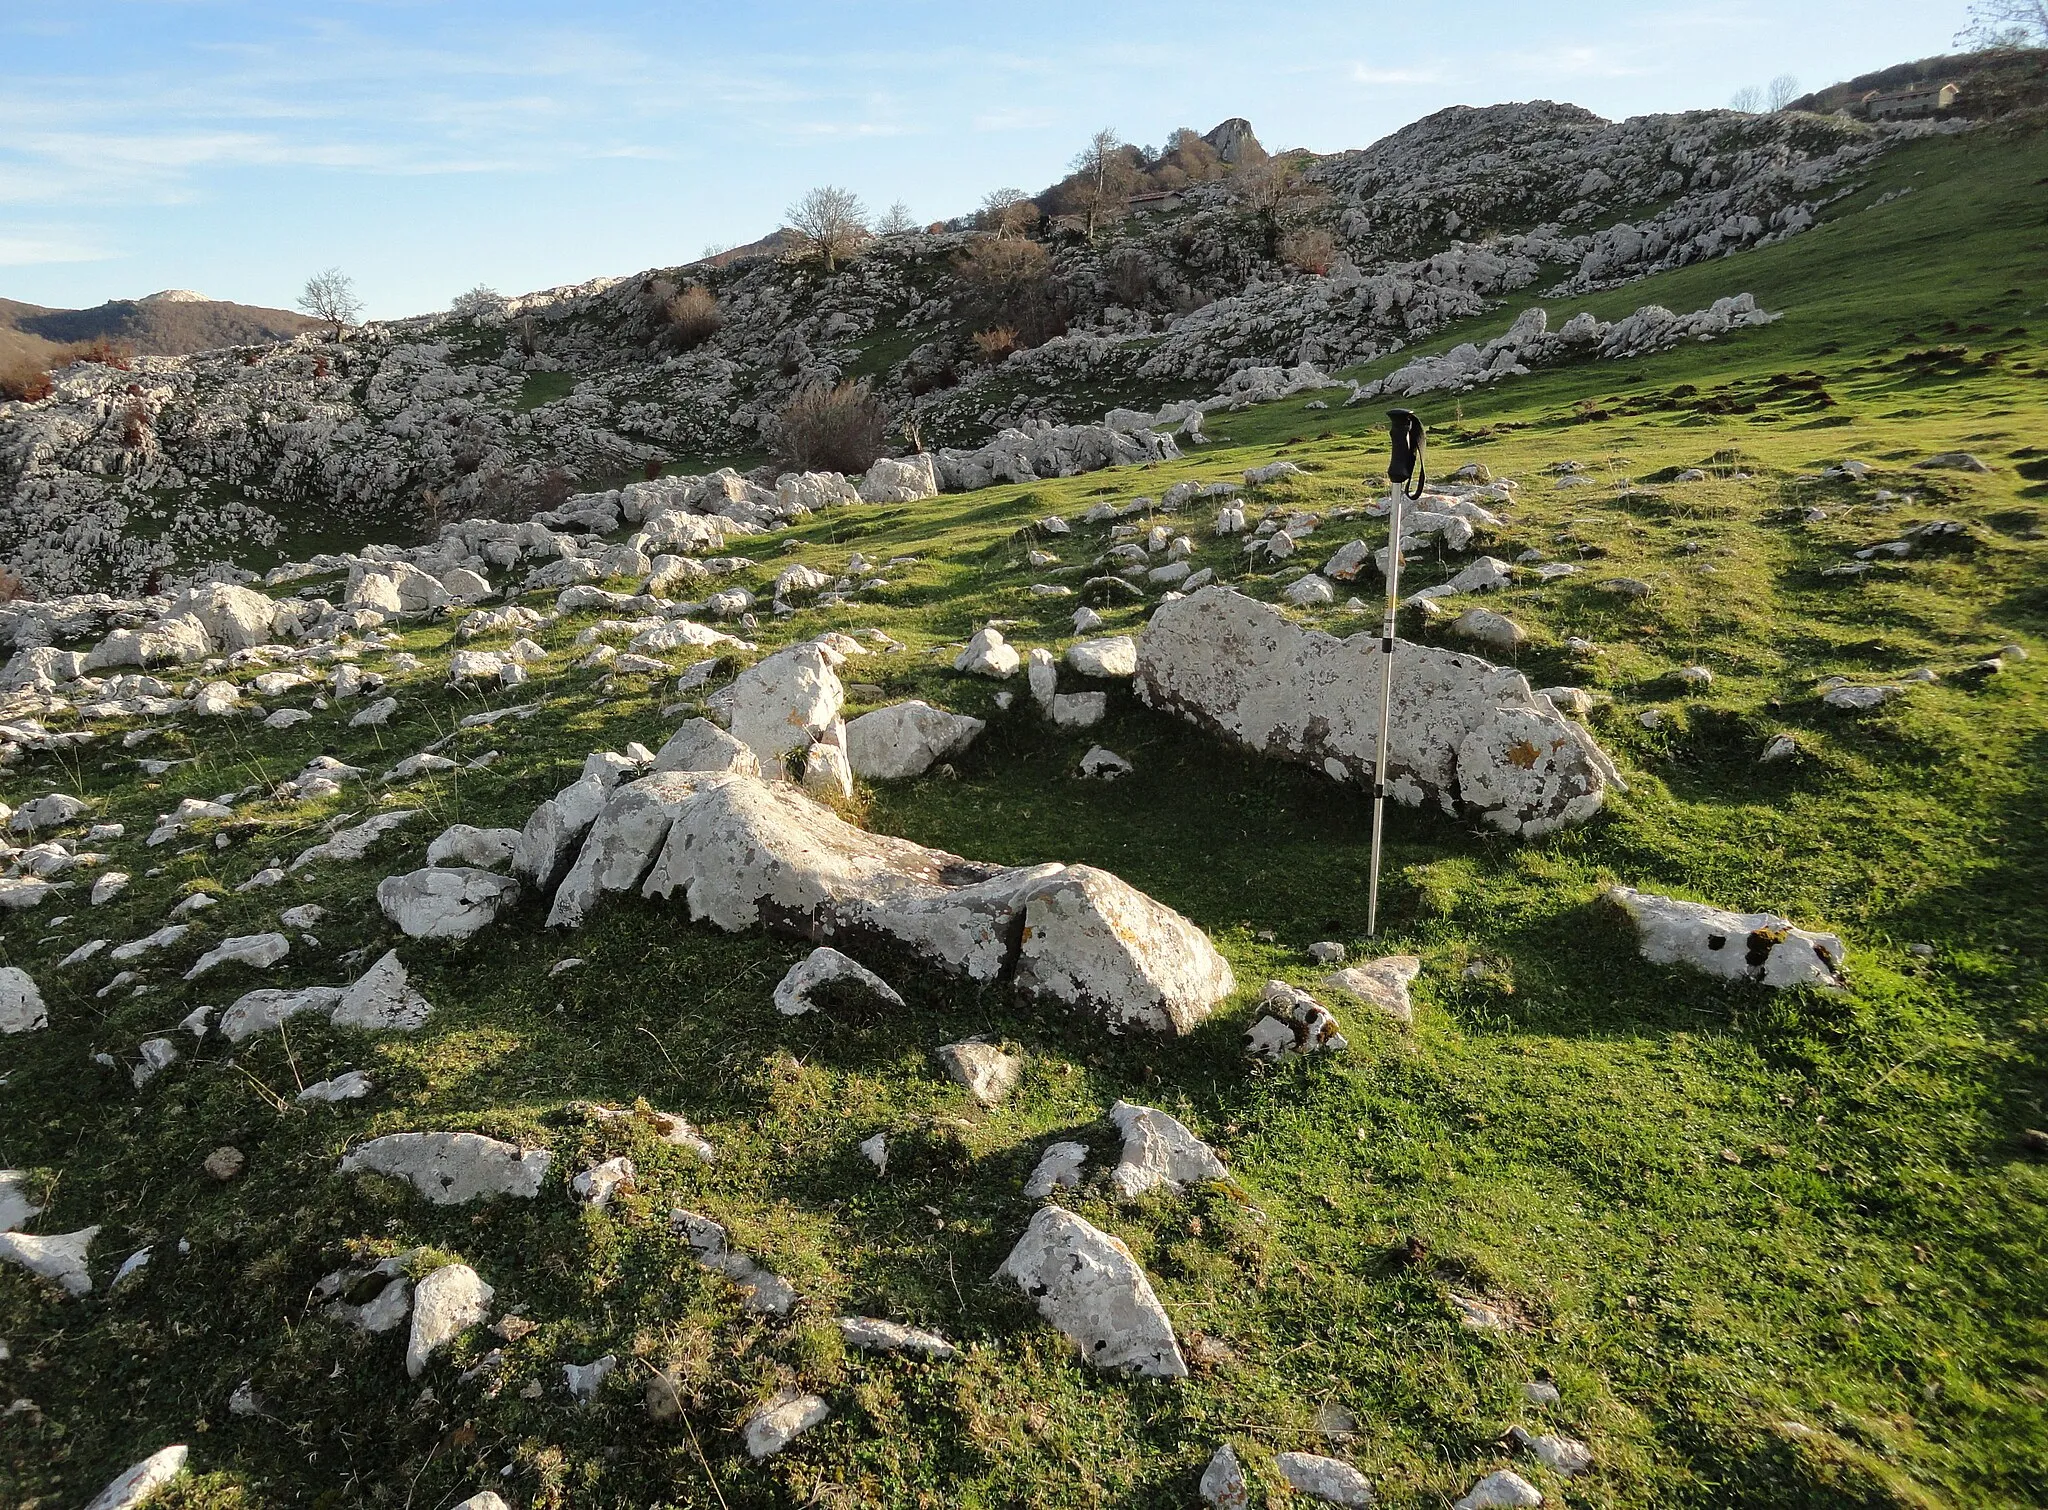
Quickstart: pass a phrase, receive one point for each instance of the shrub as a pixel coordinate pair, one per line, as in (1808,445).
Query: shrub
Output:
(693,317)
(839,429)
(134,425)
(12,588)
(1009,282)
(24,380)
(995,344)
(478,304)
(107,353)
(1310,248)
(1129,274)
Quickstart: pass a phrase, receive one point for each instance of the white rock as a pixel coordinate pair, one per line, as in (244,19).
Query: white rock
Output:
(1223,1483)
(51,810)
(1088,1285)
(350,1085)
(373,716)
(1159,1150)
(21,1004)
(906,739)
(1042,675)
(423,764)
(1079,710)
(479,848)
(1758,946)
(985,1072)
(548,843)
(15,1207)
(109,886)
(586,1379)
(989,654)
(445,1304)
(775,1425)
(1115,656)
(1462,731)
(1059,1168)
(826,773)
(382,998)
(1310,591)
(826,973)
(874,1335)
(1780,747)
(451,1168)
(142,1481)
(1860,699)
(782,703)
(597,1185)
(60,1258)
(158,1055)
(1502,1487)
(1326,1479)
(262,1011)
(352,844)
(876,1151)
(1560,1454)
(1483,626)
(1382,982)
(1104,765)
(1095,943)
(259,951)
(700,745)
(301,917)
(445,902)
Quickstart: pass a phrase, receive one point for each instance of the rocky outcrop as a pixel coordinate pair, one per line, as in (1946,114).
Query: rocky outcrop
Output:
(1464,734)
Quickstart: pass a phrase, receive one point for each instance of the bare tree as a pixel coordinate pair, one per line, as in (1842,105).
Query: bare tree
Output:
(2006,24)
(331,296)
(1780,92)
(1748,99)
(896,220)
(1104,168)
(829,224)
(1006,212)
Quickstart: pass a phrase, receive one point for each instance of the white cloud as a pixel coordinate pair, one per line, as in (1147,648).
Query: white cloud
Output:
(1363,73)
(41,250)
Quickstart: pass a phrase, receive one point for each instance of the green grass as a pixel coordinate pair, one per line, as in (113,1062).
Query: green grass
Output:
(538,388)
(1712,1209)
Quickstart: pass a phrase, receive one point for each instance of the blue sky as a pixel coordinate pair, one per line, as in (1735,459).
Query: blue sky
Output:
(428,145)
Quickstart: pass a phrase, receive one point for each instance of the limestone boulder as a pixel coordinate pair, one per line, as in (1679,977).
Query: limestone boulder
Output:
(1159,1151)
(1089,1285)
(1462,731)
(21,1003)
(235,618)
(826,978)
(480,848)
(700,745)
(548,843)
(1330,1480)
(775,1425)
(871,1334)
(907,739)
(382,999)
(258,951)
(1095,943)
(989,654)
(900,480)
(1114,656)
(445,902)
(447,1303)
(984,1070)
(782,703)
(61,1257)
(140,1482)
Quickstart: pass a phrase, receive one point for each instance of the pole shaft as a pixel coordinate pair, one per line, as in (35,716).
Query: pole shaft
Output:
(1379,785)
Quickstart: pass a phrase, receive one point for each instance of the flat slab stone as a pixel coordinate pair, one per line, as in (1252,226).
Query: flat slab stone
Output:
(59,1257)
(1757,946)
(138,1483)
(775,1425)
(1328,1479)
(382,998)
(874,1335)
(1461,730)
(445,902)
(449,1168)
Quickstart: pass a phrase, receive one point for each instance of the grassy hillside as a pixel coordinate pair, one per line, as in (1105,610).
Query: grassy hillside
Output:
(1710,1211)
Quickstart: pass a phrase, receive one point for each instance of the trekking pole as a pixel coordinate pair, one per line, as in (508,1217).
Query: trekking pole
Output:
(1405,464)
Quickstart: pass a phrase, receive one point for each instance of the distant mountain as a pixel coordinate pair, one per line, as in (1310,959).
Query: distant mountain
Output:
(174,322)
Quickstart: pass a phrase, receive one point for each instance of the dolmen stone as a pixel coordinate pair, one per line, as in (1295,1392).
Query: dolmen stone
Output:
(1462,732)
(1088,1285)
(906,739)
(1757,946)
(449,1168)
(743,853)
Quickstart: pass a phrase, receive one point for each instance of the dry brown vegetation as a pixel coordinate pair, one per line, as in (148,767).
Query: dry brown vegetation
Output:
(1309,248)
(1010,283)
(24,379)
(839,429)
(996,343)
(693,317)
